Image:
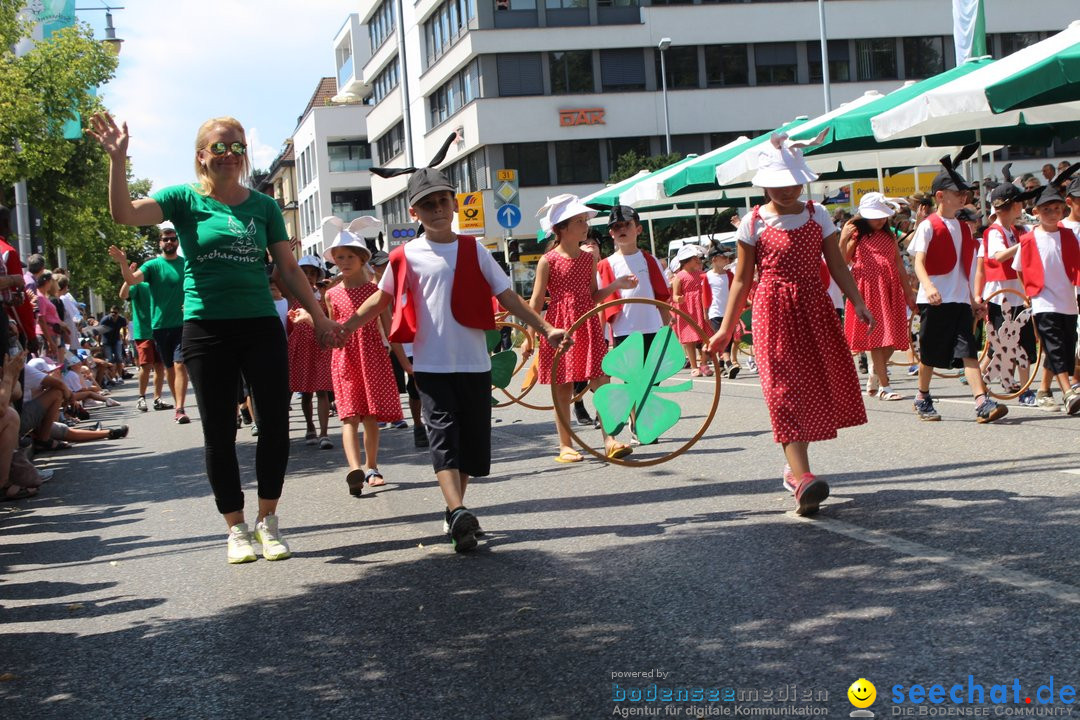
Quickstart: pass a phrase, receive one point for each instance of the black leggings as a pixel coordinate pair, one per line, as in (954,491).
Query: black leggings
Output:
(215,353)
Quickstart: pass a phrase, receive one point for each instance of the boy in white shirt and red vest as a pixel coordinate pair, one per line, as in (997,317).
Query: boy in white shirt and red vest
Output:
(629,260)
(1049,267)
(944,252)
(440,285)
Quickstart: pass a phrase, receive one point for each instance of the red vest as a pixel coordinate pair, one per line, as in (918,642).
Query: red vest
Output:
(470,295)
(656,279)
(941,253)
(993,269)
(1032,265)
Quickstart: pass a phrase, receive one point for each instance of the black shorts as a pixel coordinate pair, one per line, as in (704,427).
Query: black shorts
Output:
(946,335)
(1027,332)
(1057,332)
(405,383)
(168,345)
(456,408)
(647,337)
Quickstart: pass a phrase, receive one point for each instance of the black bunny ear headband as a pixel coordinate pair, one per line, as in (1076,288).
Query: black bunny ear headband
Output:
(950,163)
(439,157)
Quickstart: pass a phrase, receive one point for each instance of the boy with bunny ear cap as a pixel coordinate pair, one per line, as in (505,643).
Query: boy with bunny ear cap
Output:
(944,251)
(440,286)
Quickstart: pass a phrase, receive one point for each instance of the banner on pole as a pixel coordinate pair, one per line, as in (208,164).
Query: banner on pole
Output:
(969,29)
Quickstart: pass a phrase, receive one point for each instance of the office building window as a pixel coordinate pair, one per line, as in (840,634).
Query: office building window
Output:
(622,70)
(349,156)
(470,174)
(876,59)
(531,162)
(1011,42)
(456,93)
(577,161)
(351,204)
(681,64)
(446,25)
(726,65)
(839,61)
(390,144)
(923,57)
(571,71)
(395,210)
(515,4)
(776,63)
(381,25)
(385,81)
(520,74)
(617,147)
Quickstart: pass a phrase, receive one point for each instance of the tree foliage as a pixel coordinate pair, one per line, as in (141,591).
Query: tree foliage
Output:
(629,164)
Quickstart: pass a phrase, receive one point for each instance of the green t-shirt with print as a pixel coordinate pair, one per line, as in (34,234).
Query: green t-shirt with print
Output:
(165,282)
(141,326)
(225,248)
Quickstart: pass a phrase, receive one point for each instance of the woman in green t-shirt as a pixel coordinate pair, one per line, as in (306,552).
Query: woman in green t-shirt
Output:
(230,323)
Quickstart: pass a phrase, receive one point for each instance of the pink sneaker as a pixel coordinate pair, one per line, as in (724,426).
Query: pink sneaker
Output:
(809,495)
(706,370)
(789,479)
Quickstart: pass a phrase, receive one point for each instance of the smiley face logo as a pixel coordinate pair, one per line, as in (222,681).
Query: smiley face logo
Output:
(862,693)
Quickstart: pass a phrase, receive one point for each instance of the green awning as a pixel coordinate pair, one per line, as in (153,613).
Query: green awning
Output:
(1055,79)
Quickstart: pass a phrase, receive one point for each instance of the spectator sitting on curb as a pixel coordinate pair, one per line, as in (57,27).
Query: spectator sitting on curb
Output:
(9,430)
(44,407)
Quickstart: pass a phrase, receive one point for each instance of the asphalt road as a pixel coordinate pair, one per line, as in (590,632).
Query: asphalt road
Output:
(948,550)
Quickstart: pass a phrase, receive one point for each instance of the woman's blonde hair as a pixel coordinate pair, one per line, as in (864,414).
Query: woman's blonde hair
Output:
(205,183)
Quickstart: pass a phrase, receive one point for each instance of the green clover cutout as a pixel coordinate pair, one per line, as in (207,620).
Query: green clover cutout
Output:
(641,376)
(502,363)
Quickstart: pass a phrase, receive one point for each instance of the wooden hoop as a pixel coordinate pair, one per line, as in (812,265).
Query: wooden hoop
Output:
(517,399)
(986,351)
(561,412)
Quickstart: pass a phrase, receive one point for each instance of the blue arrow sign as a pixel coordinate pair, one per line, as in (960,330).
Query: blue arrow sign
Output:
(508,216)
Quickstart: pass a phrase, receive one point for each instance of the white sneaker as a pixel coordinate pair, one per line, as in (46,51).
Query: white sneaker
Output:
(274,546)
(240,550)
(109,402)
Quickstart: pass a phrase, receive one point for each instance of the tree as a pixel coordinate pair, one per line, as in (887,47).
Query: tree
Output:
(629,164)
(40,91)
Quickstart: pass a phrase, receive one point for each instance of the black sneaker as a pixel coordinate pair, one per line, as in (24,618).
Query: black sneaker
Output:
(463,527)
(446,525)
(864,365)
(118,432)
(419,435)
(924,408)
(582,415)
(159,404)
(246,416)
(990,411)
(733,371)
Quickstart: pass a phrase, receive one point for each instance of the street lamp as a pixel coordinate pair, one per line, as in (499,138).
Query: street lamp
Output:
(110,41)
(665,43)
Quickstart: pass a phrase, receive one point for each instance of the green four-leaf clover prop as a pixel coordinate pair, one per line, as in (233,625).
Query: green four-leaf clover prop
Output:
(502,362)
(641,376)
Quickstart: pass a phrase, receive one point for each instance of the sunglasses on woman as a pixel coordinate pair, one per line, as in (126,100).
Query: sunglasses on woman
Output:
(219,148)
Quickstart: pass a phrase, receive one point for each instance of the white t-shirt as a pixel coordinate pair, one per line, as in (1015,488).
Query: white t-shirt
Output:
(31,382)
(1058,294)
(442,344)
(954,287)
(634,317)
(787,223)
(1073,225)
(282,307)
(718,282)
(996,244)
(73,381)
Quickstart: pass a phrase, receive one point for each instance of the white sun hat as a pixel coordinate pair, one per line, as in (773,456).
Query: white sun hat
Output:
(781,163)
(312,261)
(875,206)
(688,251)
(349,235)
(562,207)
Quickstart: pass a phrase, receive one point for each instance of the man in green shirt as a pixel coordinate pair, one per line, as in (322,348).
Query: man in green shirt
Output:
(142,331)
(164,277)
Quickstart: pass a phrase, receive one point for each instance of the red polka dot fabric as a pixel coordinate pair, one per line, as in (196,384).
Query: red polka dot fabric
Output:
(309,362)
(570,288)
(878,279)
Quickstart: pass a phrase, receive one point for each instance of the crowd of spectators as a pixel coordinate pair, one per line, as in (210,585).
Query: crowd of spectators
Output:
(59,363)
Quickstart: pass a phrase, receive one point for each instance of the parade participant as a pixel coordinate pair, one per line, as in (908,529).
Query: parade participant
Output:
(230,324)
(690,292)
(568,275)
(720,278)
(794,319)
(994,273)
(868,244)
(363,379)
(441,284)
(309,361)
(145,348)
(165,277)
(944,252)
(1049,267)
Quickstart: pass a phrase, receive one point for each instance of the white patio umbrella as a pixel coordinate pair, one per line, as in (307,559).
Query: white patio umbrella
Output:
(961,105)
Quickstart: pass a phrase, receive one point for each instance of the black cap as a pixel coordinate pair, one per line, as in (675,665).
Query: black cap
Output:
(379,259)
(1004,194)
(426,181)
(1048,194)
(950,180)
(623,213)
(1074,187)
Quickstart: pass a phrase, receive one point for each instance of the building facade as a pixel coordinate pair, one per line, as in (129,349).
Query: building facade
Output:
(280,184)
(559,89)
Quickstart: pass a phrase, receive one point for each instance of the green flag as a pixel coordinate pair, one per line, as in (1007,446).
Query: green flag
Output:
(969,29)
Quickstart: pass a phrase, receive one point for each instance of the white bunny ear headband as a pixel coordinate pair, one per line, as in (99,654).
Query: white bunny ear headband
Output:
(780,141)
(349,235)
(561,207)
(364,222)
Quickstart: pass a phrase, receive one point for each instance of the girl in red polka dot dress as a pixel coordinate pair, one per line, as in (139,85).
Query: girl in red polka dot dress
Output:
(691,293)
(364,383)
(309,361)
(807,374)
(568,274)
